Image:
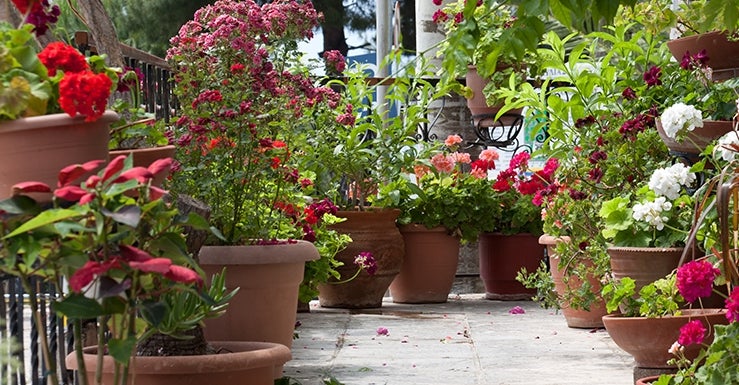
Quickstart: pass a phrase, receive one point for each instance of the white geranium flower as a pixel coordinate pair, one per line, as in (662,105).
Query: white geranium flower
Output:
(669,181)
(679,117)
(651,212)
(724,148)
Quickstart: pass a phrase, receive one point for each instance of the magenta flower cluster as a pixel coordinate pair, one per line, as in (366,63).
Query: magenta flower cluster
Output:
(695,279)
(692,333)
(732,306)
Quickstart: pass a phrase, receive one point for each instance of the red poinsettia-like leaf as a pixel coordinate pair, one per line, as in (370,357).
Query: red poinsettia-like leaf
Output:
(29,187)
(154,265)
(156,193)
(83,276)
(87,198)
(141,174)
(70,193)
(72,172)
(114,167)
(93,181)
(160,165)
(134,254)
(183,274)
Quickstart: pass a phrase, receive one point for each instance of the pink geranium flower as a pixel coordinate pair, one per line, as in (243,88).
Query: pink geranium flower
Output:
(691,333)
(695,279)
(732,306)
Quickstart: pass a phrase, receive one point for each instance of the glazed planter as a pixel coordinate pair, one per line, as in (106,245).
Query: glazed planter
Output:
(268,277)
(429,265)
(643,264)
(648,340)
(501,258)
(722,53)
(698,139)
(143,157)
(251,363)
(374,231)
(575,318)
(36,148)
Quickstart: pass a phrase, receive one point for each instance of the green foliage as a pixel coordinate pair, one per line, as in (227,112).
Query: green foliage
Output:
(329,242)
(657,299)
(541,280)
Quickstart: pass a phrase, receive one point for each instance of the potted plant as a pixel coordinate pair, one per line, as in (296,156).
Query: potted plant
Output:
(512,244)
(442,206)
(124,262)
(593,118)
(50,94)
(356,155)
(248,101)
(655,318)
(480,45)
(647,228)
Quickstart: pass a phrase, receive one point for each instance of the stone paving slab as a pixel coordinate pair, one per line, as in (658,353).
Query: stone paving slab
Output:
(468,340)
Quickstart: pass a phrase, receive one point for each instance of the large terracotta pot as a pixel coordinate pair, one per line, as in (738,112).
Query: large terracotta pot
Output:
(36,148)
(501,258)
(429,265)
(268,277)
(576,318)
(483,114)
(698,139)
(722,53)
(643,264)
(143,157)
(374,231)
(248,363)
(648,340)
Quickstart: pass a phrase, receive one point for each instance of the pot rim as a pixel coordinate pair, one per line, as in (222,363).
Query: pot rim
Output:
(686,313)
(54,120)
(299,251)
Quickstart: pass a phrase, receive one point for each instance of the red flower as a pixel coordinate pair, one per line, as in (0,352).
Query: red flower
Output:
(83,276)
(695,279)
(183,274)
(70,193)
(651,77)
(63,57)
(70,173)
(85,93)
(30,187)
(691,333)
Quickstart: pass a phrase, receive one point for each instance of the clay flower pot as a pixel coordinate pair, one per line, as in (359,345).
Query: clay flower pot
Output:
(251,363)
(648,340)
(501,258)
(429,265)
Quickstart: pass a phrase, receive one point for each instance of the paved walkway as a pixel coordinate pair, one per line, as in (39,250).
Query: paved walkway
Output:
(468,340)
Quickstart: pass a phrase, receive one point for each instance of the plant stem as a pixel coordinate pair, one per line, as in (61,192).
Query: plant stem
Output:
(77,331)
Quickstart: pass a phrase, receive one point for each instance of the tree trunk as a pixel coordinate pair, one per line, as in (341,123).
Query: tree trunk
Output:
(333,25)
(102,30)
(194,238)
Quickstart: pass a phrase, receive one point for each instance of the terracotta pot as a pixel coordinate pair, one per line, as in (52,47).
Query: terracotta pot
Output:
(268,277)
(36,148)
(482,113)
(698,139)
(501,258)
(251,363)
(576,318)
(143,157)
(643,264)
(429,265)
(374,231)
(722,53)
(648,340)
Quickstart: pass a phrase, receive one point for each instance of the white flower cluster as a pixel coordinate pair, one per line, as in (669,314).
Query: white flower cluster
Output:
(725,146)
(680,116)
(669,181)
(651,212)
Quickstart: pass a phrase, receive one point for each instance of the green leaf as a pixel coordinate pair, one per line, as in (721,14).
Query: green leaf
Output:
(46,218)
(78,306)
(122,349)
(127,215)
(154,312)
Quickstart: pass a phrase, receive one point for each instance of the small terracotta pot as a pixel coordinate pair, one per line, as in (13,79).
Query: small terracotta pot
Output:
(643,264)
(429,265)
(722,53)
(501,258)
(576,318)
(646,380)
(374,231)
